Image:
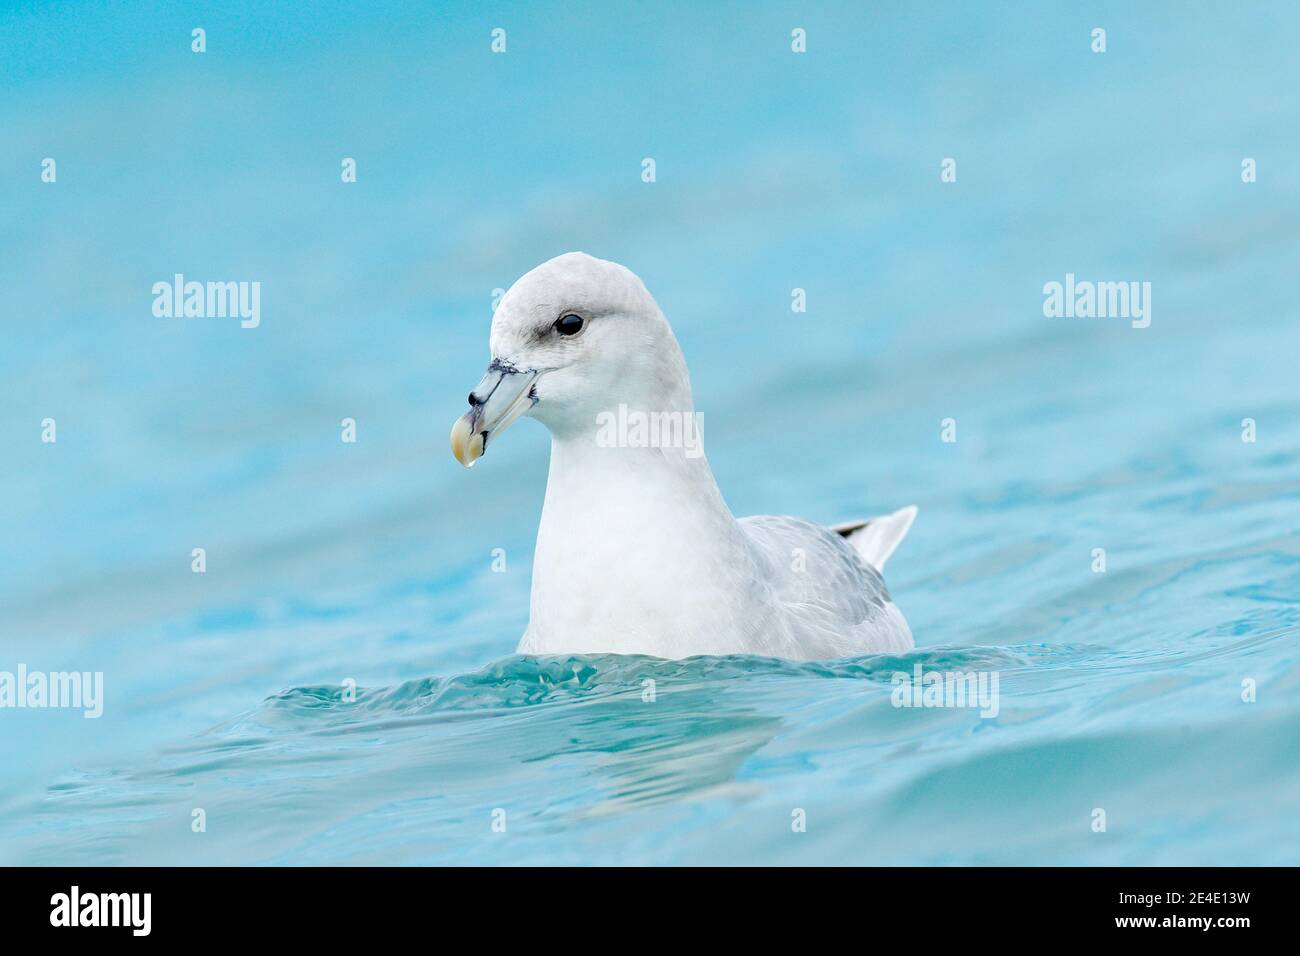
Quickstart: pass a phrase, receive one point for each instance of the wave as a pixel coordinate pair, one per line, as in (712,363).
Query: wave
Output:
(526,681)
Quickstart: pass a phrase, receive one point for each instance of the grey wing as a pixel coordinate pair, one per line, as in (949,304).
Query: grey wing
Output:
(836,604)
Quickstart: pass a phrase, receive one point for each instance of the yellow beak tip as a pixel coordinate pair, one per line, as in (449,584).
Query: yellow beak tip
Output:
(466,446)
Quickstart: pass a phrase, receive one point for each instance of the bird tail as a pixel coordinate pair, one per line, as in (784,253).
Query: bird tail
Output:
(876,538)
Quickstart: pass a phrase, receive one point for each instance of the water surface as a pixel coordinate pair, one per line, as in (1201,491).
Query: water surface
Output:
(333,566)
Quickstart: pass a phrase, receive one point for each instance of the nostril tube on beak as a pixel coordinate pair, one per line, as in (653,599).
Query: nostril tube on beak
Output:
(505,393)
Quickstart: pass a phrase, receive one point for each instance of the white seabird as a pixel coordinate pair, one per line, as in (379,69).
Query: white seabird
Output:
(637,552)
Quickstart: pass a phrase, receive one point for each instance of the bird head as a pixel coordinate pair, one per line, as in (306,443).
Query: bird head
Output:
(574,337)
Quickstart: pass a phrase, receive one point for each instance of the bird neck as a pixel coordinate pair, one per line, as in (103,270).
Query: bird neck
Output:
(639,461)
(604,499)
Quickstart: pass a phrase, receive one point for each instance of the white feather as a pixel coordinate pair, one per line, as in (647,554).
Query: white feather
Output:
(637,551)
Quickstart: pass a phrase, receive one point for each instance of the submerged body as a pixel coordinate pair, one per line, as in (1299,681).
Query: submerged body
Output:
(637,552)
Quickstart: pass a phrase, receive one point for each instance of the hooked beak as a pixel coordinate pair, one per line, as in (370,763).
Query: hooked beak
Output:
(504,394)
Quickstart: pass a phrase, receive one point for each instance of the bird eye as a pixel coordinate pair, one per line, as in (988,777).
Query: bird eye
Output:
(569,324)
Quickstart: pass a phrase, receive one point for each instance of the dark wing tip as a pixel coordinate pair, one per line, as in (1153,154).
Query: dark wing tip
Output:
(848,527)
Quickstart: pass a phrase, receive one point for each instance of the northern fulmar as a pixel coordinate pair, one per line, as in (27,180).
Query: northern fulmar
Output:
(637,553)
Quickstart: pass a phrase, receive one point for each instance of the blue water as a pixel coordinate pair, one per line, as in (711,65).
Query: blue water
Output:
(372,562)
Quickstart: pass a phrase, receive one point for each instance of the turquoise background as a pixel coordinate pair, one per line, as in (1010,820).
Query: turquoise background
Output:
(372,561)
